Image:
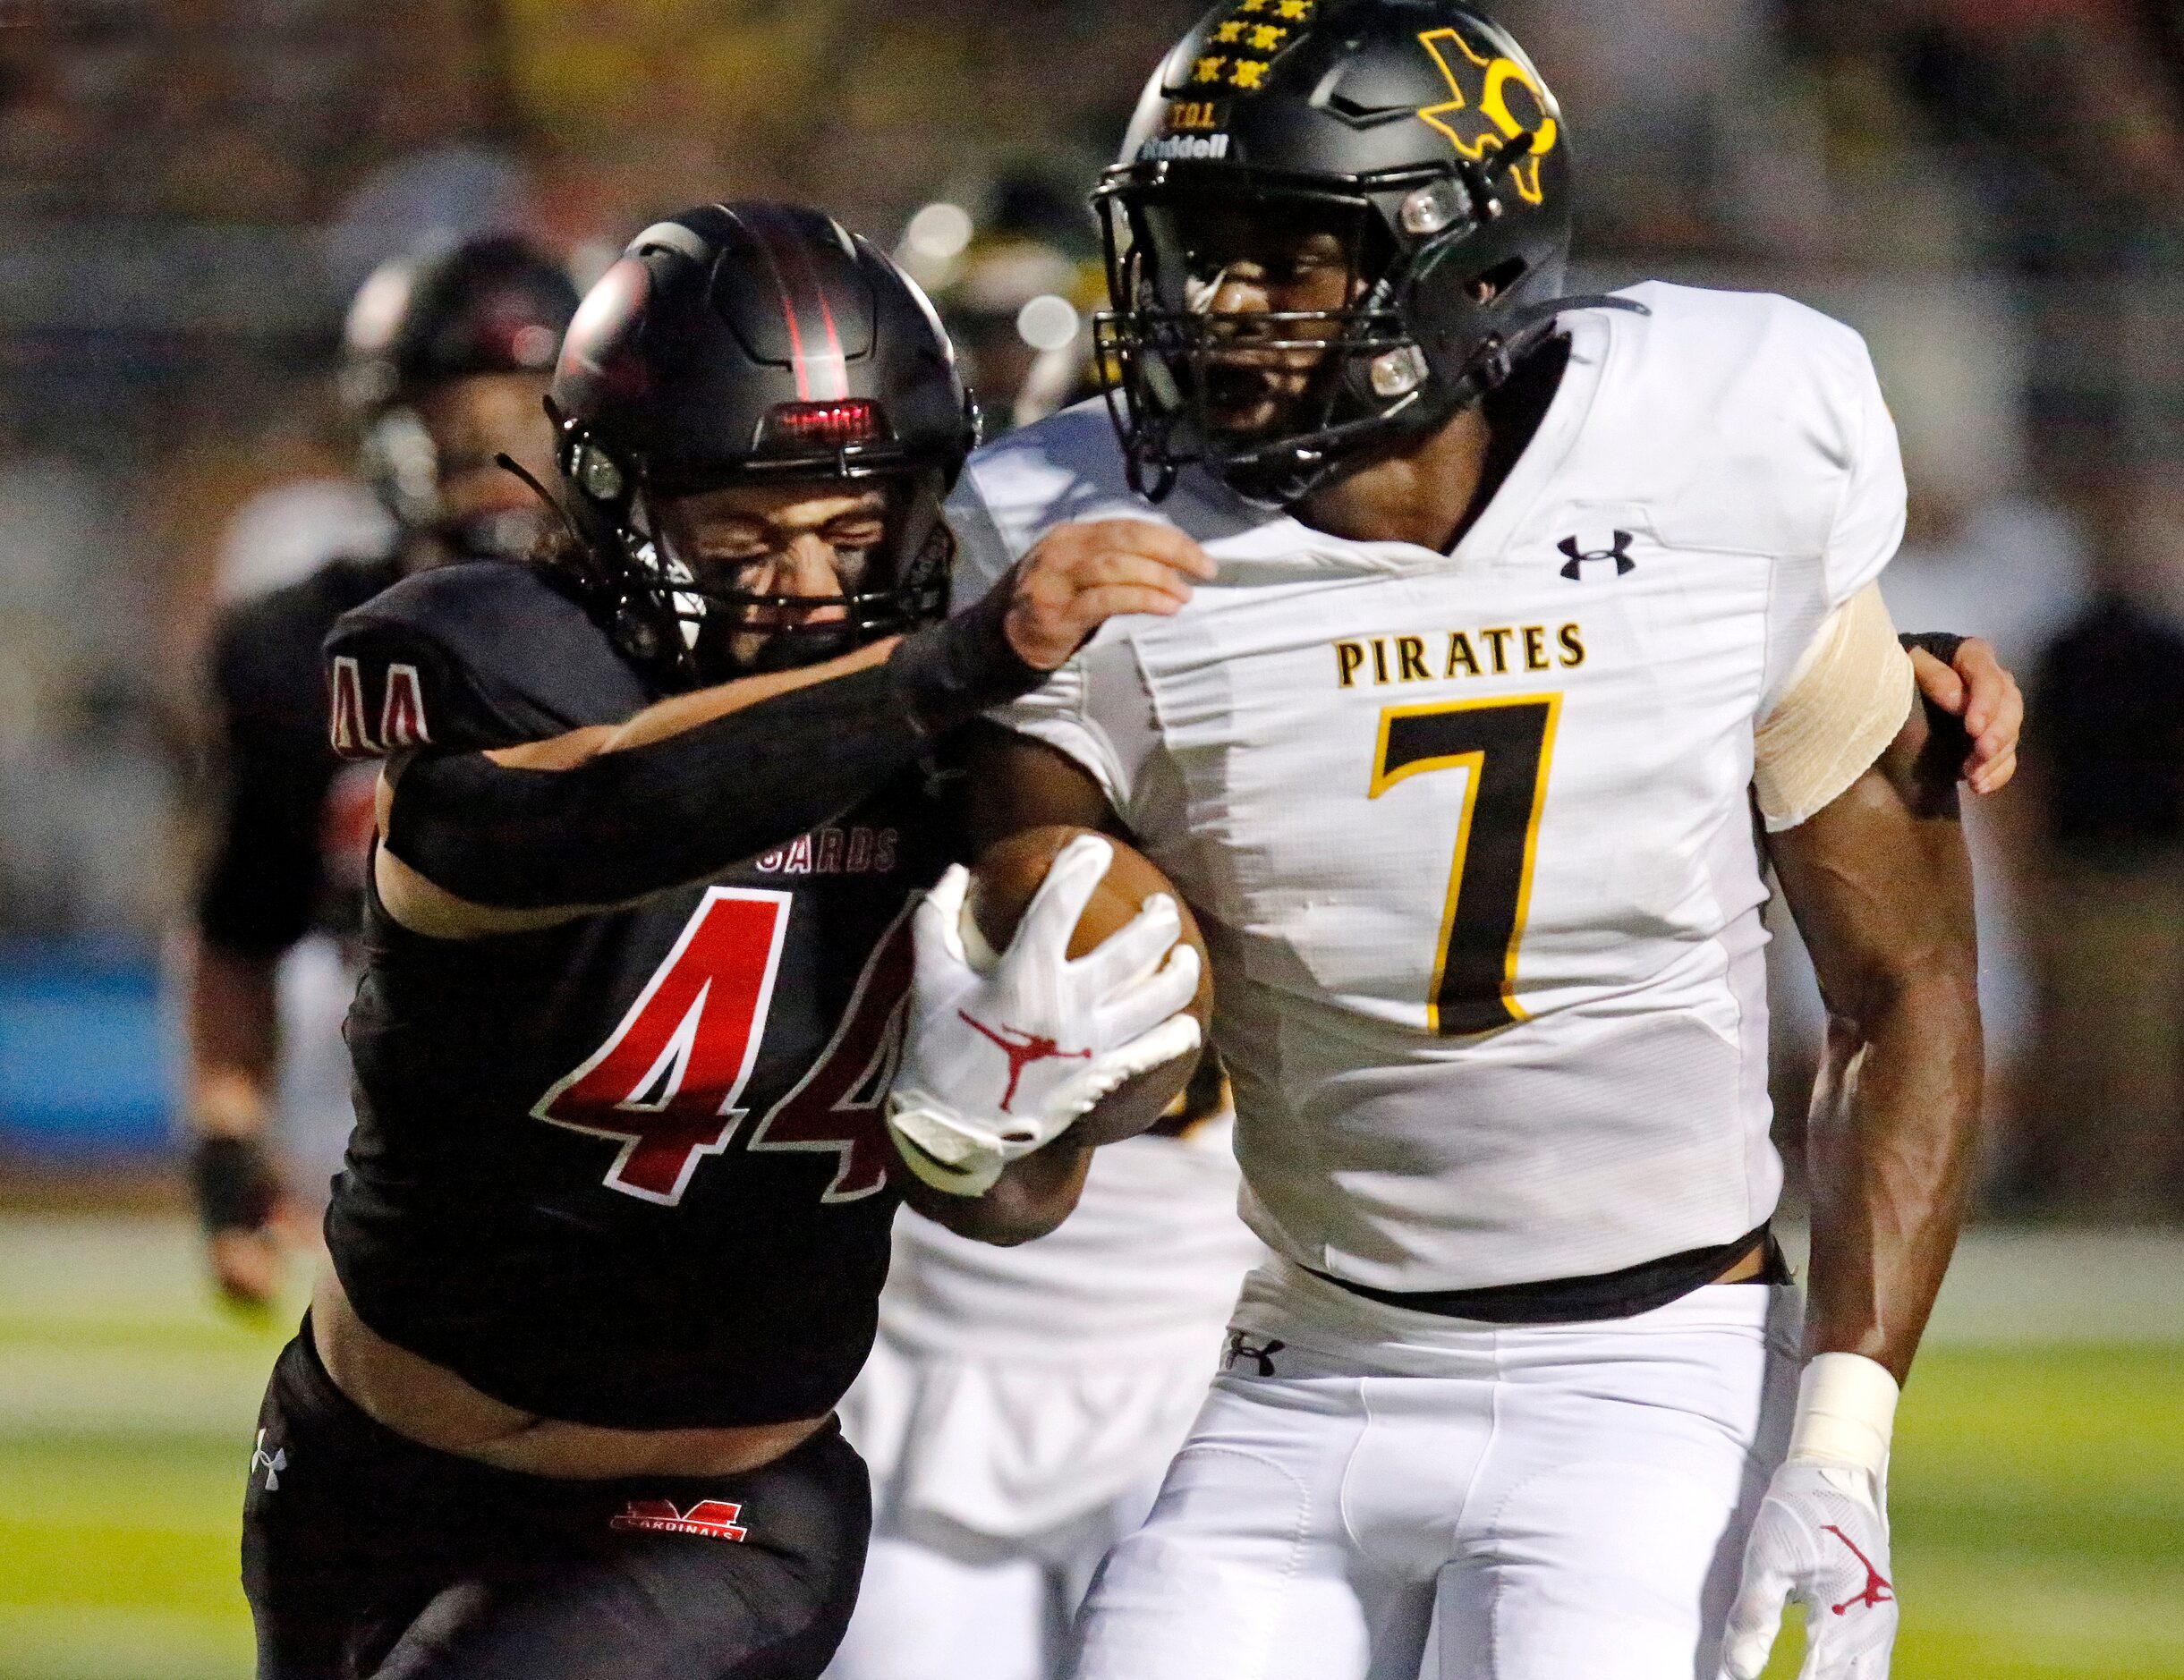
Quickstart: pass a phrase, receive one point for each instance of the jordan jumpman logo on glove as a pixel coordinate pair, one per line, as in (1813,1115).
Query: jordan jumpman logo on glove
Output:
(1022,1050)
(1000,1060)
(1821,1537)
(1820,1542)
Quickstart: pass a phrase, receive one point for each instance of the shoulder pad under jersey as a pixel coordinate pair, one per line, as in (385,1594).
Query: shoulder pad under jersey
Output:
(470,657)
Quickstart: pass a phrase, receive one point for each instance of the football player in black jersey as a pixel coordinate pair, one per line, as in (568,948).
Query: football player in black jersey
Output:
(654,813)
(446,359)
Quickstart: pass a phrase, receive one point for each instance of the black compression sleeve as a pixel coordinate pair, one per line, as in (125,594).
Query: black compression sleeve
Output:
(1942,644)
(262,881)
(949,673)
(625,824)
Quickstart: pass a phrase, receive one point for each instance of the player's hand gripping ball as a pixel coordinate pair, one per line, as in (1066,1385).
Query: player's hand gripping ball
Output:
(1010,1047)
(1002,885)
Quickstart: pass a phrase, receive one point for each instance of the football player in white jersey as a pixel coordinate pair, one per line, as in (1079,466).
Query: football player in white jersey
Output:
(1541,625)
(1021,1404)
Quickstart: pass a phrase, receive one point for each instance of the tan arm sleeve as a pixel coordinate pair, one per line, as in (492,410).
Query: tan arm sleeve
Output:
(1849,696)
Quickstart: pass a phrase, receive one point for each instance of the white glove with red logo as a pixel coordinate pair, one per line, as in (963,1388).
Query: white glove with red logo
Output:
(1001,1059)
(1821,1538)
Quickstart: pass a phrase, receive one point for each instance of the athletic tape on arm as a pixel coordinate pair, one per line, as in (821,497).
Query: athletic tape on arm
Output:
(1846,1411)
(1844,703)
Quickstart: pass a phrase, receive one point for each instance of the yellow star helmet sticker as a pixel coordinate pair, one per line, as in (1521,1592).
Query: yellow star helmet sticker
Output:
(1254,43)
(1480,121)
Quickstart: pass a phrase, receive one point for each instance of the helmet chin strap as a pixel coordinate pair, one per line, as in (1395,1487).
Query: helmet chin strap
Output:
(509,464)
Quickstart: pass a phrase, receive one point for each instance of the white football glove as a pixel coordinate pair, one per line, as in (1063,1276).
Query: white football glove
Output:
(1001,1059)
(1821,1538)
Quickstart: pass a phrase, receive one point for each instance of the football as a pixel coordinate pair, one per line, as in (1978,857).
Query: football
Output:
(1002,884)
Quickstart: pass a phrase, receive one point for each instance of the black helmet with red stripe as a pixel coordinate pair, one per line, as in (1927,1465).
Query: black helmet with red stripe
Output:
(746,343)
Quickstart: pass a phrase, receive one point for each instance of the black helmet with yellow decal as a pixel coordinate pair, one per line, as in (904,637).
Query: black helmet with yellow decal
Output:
(1415,143)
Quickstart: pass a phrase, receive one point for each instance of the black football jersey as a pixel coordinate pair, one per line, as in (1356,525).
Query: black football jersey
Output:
(631,1170)
(287,852)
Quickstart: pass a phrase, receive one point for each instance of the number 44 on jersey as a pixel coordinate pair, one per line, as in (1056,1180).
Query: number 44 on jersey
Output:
(665,1082)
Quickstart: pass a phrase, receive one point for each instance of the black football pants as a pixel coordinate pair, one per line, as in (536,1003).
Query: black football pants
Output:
(367,1556)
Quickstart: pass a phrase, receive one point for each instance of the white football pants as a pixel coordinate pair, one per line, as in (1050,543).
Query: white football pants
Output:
(942,1604)
(1561,1502)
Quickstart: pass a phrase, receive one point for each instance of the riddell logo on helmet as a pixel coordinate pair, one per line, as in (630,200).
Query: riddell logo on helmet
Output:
(1181,147)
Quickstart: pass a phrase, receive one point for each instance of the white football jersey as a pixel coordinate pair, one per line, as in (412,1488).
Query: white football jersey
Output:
(1469,832)
(1147,1267)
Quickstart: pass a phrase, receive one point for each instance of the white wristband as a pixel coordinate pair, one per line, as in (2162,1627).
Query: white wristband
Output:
(975,1177)
(1846,1411)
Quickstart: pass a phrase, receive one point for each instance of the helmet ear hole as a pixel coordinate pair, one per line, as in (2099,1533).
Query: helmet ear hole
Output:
(1484,288)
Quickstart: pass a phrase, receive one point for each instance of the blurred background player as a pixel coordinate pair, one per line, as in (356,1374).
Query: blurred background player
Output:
(445,361)
(1021,1404)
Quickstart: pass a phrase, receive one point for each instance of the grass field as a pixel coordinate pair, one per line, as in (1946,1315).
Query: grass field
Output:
(2039,1478)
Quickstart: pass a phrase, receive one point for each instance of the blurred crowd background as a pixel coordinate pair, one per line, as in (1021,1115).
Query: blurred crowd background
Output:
(190,192)
(1993,191)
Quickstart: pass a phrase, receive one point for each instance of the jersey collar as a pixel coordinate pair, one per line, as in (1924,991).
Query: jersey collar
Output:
(1256,546)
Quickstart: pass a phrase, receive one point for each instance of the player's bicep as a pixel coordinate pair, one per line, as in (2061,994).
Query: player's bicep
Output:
(260,876)
(1879,881)
(1017,782)
(417,902)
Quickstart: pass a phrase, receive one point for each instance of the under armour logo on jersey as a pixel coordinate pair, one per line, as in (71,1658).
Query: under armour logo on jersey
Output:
(1878,1589)
(275,1462)
(1260,1353)
(1617,551)
(708,1519)
(1022,1050)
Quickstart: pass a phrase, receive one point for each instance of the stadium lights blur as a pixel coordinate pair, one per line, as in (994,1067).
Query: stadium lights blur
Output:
(1048,322)
(933,244)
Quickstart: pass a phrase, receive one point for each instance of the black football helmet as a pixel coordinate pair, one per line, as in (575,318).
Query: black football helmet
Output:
(1422,128)
(754,343)
(487,305)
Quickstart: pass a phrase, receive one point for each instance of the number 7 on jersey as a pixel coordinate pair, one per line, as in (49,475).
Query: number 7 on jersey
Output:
(1504,746)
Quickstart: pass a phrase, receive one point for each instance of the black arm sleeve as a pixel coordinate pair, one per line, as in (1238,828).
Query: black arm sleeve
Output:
(263,877)
(1942,644)
(261,889)
(622,824)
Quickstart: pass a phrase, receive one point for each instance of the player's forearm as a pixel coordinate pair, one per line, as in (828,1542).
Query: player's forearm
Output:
(233,1018)
(234,1021)
(1882,888)
(1032,1197)
(690,786)
(1890,1148)
(1014,783)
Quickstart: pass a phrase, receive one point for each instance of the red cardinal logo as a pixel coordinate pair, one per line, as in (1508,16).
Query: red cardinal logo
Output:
(1878,1589)
(1022,1050)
